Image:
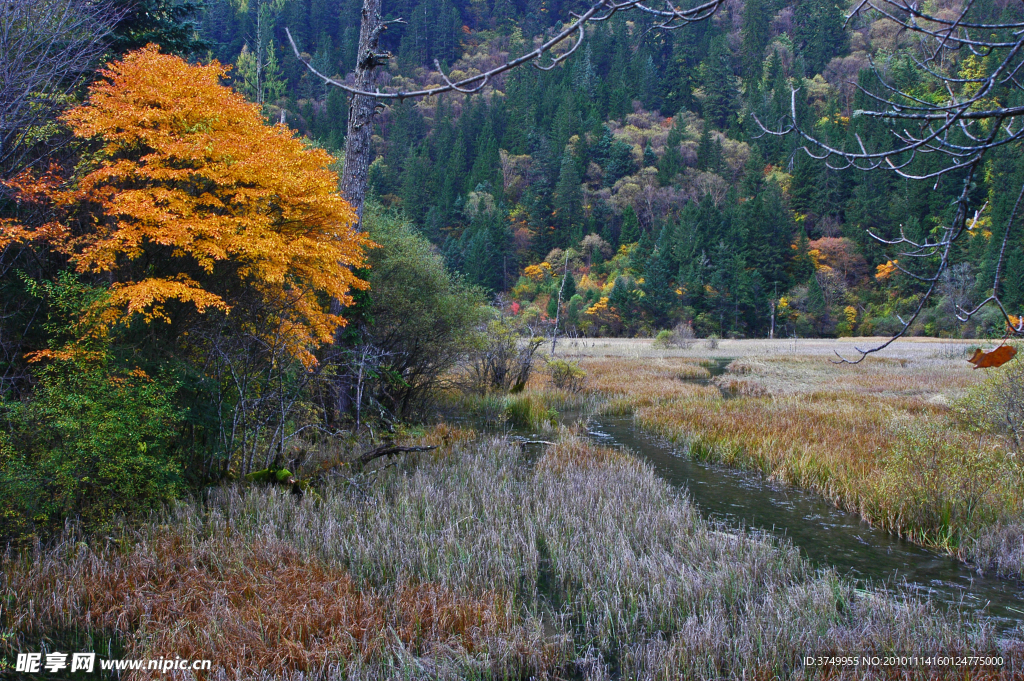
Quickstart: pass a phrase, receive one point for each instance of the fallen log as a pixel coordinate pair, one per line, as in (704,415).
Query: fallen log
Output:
(386,450)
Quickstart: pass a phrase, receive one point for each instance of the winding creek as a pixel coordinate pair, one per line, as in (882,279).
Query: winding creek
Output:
(826,535)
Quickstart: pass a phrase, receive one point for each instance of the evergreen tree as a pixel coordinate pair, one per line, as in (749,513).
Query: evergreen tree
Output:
(709,151)
(802,265)
(720,91)
(671,162)
(171,24)
(568,198)
(819,33)
(650,158)
(1012,292)
(630,231)
(657,288)
(756,32)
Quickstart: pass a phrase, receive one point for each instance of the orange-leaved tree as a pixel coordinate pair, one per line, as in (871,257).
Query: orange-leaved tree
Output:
(191,202)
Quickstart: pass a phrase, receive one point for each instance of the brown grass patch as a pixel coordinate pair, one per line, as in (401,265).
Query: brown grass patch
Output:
(259,605)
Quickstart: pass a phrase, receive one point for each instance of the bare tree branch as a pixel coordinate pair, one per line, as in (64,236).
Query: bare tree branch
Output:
(979,113)
(47,49)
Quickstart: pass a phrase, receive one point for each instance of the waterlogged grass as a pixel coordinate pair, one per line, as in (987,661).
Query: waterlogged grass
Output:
(879,438)
(539,408)
(469,562)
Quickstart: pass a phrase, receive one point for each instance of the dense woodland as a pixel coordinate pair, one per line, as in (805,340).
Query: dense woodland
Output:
(187,298)
(642,161)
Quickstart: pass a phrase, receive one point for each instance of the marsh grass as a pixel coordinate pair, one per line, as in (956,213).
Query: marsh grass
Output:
(879,438)
(467,562)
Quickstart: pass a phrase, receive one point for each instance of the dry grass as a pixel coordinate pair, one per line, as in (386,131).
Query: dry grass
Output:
(877,438)
(468,562)
(257,603)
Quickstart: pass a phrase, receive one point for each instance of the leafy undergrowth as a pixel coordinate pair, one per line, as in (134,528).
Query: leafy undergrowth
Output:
(466,562)
(879,441)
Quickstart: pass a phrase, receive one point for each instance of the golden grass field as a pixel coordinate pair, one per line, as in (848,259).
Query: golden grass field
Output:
(885,438)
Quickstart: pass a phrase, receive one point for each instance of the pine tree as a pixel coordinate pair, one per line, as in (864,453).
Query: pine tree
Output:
(709,151)
(630,231)
(650,158)
(819,33)
(671,162)
(568,197)
(720,91)
(657,287)
(756,32)
(802,265)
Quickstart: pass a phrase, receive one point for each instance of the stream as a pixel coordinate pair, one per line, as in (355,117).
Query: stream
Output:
(826,535)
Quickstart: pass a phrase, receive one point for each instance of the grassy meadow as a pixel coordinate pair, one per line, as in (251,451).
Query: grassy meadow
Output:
(888,438)
(475,560)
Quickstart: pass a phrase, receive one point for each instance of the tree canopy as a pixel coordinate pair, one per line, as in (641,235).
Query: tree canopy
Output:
(190,197)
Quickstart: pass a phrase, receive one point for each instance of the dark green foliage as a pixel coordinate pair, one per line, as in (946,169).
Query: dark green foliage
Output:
(720,92)
(756,32)
(171,24)
(421,317)
(568,198)
(819,32)
(671,162)
(630,232)
(657,287)
(96,439)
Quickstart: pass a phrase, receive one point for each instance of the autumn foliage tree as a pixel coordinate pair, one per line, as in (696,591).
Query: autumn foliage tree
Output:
(190,267)
(191,203)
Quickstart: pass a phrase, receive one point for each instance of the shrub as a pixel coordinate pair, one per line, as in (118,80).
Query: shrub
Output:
(423,319)
(505,361)
(682,335)
(94,440)
(997,405)
(662,339)
(567,375)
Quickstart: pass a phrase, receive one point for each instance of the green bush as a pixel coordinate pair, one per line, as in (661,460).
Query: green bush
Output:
(567,375)
(93,440)
(663,339)
(421,319)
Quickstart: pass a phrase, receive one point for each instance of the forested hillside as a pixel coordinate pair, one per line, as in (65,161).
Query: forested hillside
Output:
(641,163)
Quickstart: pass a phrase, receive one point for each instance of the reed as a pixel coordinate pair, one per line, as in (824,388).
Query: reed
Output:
(878,438)
(472,561)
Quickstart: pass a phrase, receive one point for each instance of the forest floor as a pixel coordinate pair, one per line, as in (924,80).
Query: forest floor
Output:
(886,438)
(476,560)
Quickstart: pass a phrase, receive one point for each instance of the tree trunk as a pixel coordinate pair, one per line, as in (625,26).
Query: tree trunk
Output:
(358,156)
(358,142)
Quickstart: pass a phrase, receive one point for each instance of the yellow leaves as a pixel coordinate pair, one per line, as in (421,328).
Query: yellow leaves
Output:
(783,303)
(850,312)
(190,179)
(817,258)
(598,308)
(147,297)
(538,272)
(886,270)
